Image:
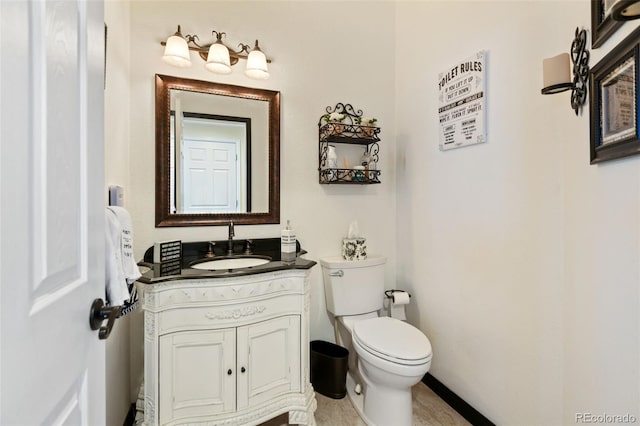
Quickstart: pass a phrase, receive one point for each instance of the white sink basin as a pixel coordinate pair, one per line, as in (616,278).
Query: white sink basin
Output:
(231,263)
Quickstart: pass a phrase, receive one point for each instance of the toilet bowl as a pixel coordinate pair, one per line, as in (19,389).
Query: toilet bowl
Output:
(386,356)
(392,345)
(392,357)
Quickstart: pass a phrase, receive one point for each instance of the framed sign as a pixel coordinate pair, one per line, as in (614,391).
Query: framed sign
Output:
(602,24)
(614,102)
(462,103)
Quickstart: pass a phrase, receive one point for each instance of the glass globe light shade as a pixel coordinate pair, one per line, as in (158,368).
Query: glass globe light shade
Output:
(218,60)
(176,52)
(257,64)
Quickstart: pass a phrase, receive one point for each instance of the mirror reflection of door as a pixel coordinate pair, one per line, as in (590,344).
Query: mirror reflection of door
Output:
(210,176)
(211,163)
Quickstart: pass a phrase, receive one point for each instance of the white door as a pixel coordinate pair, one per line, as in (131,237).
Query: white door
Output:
(51,211)
(210,176)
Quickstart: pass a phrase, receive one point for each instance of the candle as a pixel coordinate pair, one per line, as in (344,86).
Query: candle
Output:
(556,70)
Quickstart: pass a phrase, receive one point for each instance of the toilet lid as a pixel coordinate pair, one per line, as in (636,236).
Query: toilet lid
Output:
(392,338)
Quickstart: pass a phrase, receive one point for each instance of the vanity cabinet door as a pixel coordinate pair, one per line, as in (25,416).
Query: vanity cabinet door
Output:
(197,374)
(268,359)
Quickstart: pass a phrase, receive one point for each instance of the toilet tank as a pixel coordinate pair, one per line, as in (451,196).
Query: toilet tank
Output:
(353,287)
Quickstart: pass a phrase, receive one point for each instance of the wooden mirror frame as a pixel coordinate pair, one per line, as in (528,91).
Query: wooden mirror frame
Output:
(164,217)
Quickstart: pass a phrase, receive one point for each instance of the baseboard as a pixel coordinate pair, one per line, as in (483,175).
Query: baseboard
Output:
(131,416)
(470,414)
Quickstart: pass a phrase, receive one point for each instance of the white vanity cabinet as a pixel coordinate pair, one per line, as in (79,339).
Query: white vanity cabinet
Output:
(228,350)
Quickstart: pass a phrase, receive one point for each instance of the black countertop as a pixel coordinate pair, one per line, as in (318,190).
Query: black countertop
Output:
(197,251)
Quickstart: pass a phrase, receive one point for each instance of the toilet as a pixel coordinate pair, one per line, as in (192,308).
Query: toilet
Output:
(387,356)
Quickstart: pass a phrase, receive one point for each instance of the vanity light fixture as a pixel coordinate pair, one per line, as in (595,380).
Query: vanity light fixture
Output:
(556,72)
(218,57)
(625,10)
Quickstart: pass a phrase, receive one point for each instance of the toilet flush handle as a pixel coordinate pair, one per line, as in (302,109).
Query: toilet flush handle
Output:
(338,273)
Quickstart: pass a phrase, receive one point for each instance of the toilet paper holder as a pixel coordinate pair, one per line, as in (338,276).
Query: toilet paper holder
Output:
(389,293)
(397,300)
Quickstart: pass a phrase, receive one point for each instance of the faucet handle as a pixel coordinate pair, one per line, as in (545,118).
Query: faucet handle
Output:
(247,247)
(211,252)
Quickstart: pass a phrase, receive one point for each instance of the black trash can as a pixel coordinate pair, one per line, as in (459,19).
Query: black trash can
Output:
(329,363)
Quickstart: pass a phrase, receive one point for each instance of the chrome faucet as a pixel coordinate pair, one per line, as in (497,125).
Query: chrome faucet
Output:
(231,235)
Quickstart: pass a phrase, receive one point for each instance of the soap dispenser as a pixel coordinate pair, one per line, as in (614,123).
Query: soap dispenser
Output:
(288,243)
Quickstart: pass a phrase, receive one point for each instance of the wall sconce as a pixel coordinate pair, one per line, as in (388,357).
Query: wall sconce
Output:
(625,10)
(218,57)
(556,73)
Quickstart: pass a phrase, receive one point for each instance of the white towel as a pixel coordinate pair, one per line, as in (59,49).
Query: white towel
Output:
(129,265)
(120,266)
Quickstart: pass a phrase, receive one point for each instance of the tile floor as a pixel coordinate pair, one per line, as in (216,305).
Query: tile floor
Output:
(428,410)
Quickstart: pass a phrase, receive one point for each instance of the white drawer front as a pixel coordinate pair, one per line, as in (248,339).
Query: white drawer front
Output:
(228,315)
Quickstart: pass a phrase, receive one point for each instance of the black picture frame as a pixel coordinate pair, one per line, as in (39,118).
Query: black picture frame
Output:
(613,102)
(602,25)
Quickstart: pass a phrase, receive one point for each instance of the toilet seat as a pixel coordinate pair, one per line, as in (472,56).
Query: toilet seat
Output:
(393,340)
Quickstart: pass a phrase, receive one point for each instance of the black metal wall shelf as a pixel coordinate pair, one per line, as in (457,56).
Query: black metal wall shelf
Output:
(349,133)
(349,176)
(347,130)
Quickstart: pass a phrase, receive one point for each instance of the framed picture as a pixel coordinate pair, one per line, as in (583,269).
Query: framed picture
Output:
(602,25)
(614,102)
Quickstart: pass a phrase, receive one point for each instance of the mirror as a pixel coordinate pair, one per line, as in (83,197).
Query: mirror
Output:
(217,153)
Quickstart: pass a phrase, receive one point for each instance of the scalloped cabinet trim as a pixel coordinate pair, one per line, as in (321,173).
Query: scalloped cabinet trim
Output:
(304,415)
(182,292)
(149,326)
(149,411)
(245,311)
(205,344)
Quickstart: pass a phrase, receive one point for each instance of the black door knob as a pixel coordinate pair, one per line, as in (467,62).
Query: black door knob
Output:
(100,312)
(242,370)
(229,372)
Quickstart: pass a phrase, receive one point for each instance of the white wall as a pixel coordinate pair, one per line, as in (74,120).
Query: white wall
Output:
(117,171)
(522,257)
(602,275)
